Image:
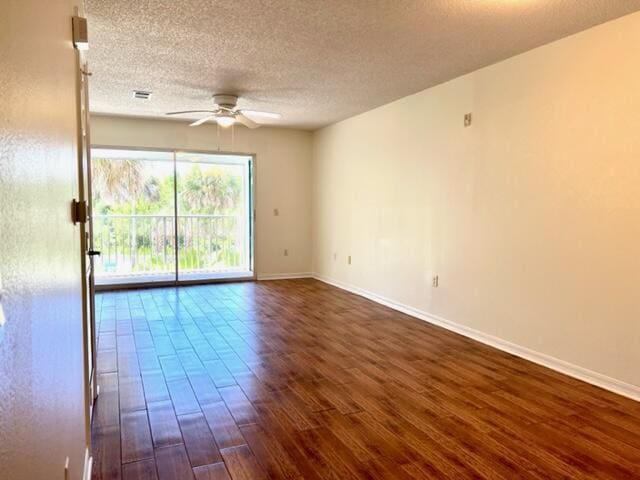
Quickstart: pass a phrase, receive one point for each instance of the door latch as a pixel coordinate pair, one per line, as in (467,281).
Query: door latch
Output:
(79,211)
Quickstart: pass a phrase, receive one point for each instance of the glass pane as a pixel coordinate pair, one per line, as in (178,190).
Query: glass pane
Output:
(213,216)
(133,216)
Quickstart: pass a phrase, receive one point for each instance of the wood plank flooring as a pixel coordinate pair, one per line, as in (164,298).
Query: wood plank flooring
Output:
(295,379)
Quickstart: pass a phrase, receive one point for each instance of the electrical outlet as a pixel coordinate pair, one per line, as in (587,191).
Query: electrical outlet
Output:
(276,212)
(467,119)
(349,260)
(286,252)
(434,281)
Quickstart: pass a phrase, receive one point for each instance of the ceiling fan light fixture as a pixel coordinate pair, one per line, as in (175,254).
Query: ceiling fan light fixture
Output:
(225,121)
(225,113)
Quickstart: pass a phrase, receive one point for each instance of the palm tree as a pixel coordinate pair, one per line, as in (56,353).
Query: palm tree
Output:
(121,181)
(212,192)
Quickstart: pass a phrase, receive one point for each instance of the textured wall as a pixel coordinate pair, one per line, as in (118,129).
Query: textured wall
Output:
(283,165)
(530,217)
(41,350)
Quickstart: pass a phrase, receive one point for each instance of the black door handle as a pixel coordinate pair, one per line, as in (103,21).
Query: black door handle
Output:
(93,253)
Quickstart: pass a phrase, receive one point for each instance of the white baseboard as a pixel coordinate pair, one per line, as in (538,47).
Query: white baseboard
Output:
(284,276)
(88,465)
(575,371)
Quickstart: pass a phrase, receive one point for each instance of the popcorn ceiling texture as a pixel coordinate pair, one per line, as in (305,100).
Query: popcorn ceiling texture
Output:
(315,62)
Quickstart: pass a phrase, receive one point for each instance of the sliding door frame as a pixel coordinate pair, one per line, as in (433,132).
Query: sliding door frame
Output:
(252,221)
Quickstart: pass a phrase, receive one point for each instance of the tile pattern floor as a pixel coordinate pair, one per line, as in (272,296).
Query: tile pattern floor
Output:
(299,380)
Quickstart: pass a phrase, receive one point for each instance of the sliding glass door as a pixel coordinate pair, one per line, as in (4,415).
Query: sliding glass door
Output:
(214,216)
(164,216)
(133,216)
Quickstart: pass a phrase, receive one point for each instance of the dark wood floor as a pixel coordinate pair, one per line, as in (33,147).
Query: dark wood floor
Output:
(298,380)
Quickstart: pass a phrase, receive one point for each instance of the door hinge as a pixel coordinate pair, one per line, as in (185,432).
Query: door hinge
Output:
(78,211)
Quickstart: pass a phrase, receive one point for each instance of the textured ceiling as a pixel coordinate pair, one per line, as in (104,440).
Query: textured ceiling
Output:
(313,61)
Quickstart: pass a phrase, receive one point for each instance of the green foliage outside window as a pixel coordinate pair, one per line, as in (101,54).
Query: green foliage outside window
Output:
(133,216)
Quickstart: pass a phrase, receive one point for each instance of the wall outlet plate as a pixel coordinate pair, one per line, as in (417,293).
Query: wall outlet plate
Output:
(468,119)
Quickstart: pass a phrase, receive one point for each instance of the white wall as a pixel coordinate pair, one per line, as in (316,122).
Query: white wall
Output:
(530,217)
(41,346)
(283,166)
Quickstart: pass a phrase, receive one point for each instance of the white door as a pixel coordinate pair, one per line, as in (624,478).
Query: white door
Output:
(83,211)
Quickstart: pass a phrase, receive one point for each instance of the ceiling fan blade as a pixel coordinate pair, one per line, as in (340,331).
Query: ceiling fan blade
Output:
(256,113)
(190,111)
(202,120)
(247,122)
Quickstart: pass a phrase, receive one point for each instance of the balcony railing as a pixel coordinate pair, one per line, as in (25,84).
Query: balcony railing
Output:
(143,245)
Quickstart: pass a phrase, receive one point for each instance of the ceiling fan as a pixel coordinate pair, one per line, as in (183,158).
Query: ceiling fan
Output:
(226,113)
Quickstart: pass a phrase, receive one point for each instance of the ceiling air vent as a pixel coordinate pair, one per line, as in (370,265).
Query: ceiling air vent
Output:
(141,94)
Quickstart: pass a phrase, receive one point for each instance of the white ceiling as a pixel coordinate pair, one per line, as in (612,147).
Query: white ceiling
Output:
(313,61)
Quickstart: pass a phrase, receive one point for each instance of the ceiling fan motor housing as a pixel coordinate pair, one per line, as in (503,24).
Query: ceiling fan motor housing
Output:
(225,100)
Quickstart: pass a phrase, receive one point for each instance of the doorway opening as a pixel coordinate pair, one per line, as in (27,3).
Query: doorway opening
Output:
(168,217)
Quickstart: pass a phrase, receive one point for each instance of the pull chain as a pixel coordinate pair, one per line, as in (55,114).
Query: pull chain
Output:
(233,137)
